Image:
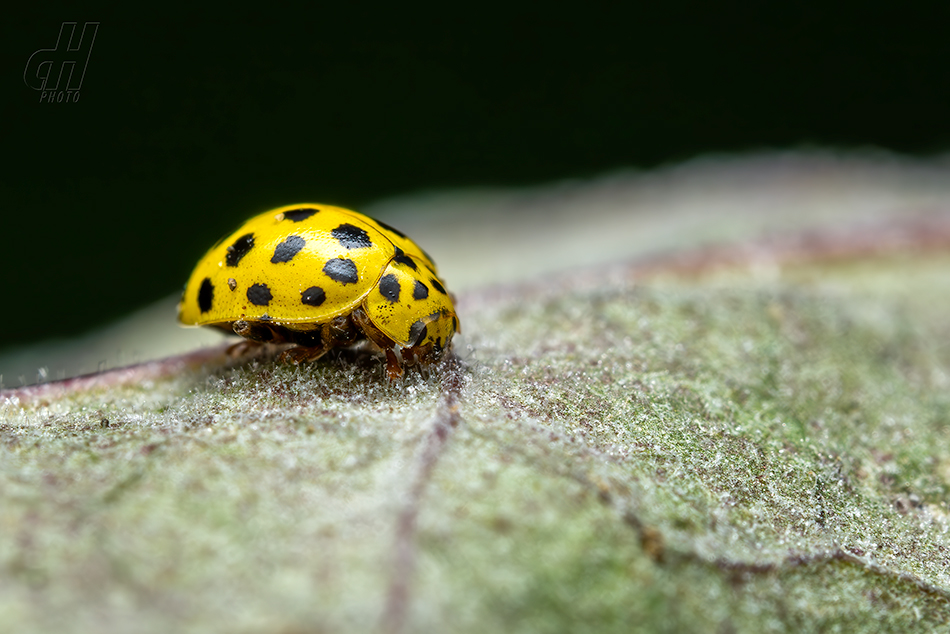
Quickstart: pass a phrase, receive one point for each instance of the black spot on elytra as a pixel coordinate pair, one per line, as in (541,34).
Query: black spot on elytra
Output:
(287,249)
(342,271)
(437,285)
(313,296)
(352,237)
(402,258)
(239,249)
(389,287)
(420,291)
(259,295)
(388,228)
(296,215)
(417,332)
(205,295)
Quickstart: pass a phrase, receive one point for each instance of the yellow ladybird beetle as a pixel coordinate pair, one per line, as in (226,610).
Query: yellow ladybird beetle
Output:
(321,277)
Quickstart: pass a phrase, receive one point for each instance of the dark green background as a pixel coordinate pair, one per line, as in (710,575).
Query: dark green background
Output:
(189,122)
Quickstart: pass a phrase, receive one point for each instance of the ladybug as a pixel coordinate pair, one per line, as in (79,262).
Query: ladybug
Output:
(321,277)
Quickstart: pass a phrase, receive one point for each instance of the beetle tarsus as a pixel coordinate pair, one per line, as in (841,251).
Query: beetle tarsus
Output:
(393,368)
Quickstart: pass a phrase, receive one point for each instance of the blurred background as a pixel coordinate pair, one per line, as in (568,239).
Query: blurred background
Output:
(189,122)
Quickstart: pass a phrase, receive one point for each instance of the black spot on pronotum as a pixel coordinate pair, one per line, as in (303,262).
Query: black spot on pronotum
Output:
(239,249)
(296,215)
(420,291)
(259,295)
(402,258)
(287,249)
(388,228)
(342,271)
(205,295)
(437,285)
(313,296)
(417,332)
(352,237)
(389,287)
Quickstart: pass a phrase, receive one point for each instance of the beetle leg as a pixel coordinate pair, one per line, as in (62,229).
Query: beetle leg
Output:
(256,331)
(254,336)
(300,354)
(313,344)
(393,368)
(242,347)
(384,343)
